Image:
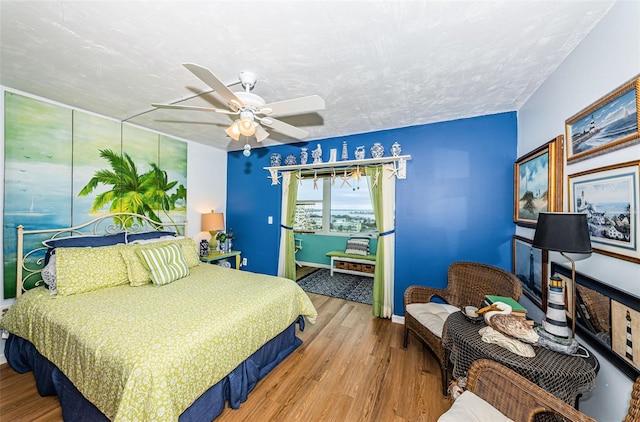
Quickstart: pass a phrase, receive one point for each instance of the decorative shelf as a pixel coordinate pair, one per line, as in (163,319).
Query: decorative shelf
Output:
(400,171)
(341,164)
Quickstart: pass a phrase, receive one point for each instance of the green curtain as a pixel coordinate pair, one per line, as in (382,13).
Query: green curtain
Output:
(290,249)
(375,190)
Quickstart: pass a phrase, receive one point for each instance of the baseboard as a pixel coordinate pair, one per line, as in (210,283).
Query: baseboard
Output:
(397,319)
(313,264)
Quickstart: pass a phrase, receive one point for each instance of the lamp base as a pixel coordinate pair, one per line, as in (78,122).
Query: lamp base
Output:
(568,346)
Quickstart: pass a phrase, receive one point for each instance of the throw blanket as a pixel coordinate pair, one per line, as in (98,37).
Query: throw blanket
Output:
(489,335)
(146,353)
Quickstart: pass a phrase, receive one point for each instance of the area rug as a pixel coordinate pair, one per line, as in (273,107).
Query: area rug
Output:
(343,286)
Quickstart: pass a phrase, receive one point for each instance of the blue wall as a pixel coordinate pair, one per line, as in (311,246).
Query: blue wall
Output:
(456,203)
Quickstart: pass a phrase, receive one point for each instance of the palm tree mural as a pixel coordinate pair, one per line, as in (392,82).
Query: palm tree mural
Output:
(144,194)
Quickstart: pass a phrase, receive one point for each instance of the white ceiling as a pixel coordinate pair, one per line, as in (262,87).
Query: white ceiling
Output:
(377,64)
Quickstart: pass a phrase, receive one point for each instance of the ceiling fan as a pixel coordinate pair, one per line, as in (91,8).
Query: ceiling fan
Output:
(251,109)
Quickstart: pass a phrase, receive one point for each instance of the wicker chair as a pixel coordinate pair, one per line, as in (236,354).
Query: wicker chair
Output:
(468,283)
(515,396)
(634,406)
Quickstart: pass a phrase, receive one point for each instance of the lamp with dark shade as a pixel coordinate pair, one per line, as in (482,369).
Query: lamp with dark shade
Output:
(567,233)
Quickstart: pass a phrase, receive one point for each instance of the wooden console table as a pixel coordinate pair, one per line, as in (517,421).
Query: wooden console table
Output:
(566,377)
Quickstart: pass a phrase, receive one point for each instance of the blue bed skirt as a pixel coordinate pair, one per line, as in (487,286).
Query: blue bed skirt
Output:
(22,356)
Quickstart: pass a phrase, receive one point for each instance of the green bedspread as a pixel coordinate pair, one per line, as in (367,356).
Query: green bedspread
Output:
(146,353)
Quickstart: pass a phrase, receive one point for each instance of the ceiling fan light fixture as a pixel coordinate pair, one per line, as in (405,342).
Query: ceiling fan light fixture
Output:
(247,150)
(246,126)
(250,107)
(234,131)
(261,134)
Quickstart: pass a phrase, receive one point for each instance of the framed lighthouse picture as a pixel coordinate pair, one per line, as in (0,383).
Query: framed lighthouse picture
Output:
(537,183)
(530,266)
(608,124)
(625,332)
(609,197)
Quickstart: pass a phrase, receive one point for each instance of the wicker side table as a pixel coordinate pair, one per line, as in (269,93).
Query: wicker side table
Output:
(566,377)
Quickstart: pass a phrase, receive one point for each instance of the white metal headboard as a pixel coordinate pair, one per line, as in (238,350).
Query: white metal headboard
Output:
(27,268)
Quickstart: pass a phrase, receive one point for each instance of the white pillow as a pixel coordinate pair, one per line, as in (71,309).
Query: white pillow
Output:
(155,240)
(471,408)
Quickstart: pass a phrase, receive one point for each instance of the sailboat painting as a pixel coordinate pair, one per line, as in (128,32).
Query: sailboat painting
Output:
(64,167)
(608,124)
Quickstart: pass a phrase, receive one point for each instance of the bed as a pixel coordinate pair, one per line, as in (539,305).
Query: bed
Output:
(117,341)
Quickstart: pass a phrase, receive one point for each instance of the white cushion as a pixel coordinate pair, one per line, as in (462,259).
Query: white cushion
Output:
(471,408)
(432,315)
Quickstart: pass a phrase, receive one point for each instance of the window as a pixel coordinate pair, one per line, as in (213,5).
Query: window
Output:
(341,207)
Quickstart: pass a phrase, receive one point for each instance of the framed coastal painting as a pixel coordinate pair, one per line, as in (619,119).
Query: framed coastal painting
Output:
(530,266)
(608,124)
(64,167)
(609,197)
(538,182)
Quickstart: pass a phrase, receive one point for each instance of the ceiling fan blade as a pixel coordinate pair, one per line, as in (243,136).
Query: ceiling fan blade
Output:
(261,134)
(195,108)
(293,106)
(284,128)
(212,80)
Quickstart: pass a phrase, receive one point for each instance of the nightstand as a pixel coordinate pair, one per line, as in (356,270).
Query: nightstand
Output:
(214,257)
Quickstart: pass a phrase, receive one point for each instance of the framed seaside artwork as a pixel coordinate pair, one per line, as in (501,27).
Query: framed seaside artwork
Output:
(538,183)
(64,167)
(530,266)
(609,197)
(608,319)
(608,124)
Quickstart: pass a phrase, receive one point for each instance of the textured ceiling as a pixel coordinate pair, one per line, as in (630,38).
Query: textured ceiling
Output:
(378,65)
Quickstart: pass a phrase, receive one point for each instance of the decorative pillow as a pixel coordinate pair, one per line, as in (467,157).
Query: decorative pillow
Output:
(81,241)
(166,263)
(82,270)
(138,272)
(132,237)
(49,275)
(190,250)
(357,246)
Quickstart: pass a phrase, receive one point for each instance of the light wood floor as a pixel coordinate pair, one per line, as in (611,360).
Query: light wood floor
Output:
(350,367)
(304,270)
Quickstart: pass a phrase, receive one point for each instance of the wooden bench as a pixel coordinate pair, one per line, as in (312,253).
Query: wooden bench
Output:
(341,262)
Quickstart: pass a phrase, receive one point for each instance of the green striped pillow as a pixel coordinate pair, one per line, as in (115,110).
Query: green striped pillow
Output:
(166,263)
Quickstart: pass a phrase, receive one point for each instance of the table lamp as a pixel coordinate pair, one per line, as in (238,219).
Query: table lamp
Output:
(212,222)
(567,233)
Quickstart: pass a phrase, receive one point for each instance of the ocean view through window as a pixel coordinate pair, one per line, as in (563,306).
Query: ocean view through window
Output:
(334,205)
